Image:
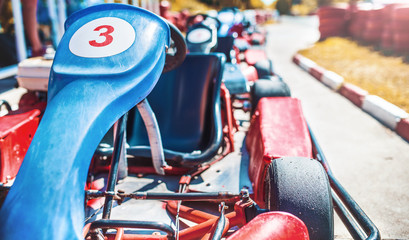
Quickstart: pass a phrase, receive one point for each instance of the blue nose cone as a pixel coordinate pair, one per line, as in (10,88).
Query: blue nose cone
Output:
(109,59)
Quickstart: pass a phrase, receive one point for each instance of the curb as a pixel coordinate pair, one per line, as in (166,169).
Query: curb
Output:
(355,94)
(384,111)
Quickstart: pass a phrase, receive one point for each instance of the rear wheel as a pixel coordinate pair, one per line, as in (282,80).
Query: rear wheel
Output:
(300,186)
(264,68)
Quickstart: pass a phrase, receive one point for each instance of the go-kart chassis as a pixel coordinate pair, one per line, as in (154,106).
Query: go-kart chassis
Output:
(356,221)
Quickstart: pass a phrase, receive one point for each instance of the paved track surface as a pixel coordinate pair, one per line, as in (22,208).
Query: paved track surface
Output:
(370,160)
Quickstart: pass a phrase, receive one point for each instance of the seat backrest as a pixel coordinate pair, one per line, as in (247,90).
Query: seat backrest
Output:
(186,102)
(225,45)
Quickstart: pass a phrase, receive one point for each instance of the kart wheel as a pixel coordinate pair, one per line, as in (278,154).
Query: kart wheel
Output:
(268,88)
(264,68)
(300,186)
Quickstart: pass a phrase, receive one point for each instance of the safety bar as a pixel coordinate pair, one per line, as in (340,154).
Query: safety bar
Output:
(212,196)
(349,211)
(120,126)
(110,224)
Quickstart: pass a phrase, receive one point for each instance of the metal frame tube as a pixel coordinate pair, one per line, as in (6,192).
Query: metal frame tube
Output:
(108,223)
(120,126)
(62,16)
(52,12)
(346,204)
(221,224)
(211,196)
(19,30)
(9,71)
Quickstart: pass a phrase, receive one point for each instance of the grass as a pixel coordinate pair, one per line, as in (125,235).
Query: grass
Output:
(385,76)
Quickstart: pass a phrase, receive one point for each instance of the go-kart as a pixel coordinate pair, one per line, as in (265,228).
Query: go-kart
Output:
(169,121)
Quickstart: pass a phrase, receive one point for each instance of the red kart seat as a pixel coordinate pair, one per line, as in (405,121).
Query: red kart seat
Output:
(278,129)
(16,132)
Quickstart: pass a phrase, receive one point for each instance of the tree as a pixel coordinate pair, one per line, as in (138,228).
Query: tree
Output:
(283,7)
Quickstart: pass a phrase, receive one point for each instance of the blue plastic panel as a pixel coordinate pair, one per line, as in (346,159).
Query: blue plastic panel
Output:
(234,79)
(88,91)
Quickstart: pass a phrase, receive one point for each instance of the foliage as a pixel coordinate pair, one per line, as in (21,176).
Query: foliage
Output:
(284,7)
(203,5)
(193,6)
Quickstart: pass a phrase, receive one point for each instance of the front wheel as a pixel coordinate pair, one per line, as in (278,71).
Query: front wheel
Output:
(300,186)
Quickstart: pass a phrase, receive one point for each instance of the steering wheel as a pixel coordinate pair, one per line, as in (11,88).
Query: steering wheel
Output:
(176,53)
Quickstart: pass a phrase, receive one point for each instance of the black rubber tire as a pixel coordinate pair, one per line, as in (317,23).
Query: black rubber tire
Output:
(274,77)
(300,186)
(267,88)
(264,68)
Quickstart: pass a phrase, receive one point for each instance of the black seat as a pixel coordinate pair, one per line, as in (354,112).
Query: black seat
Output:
(186,102)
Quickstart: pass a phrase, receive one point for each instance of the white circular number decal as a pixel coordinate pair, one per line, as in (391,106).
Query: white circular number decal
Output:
(102,37)
(199,35)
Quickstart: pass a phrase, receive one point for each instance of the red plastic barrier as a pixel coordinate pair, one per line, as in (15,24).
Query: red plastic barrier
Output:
(400,22)
(387,34)
(401,42)
(332,21)
(358,23)
(277,129)
(331,12)
(374,26)
(401,13)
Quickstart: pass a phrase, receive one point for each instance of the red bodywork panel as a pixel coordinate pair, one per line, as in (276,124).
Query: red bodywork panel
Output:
(16,133)
(273,225)
(278,129)
(252,56)
(249,72)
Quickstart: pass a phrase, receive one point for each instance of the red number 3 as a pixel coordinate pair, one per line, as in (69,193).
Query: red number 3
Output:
(108,38)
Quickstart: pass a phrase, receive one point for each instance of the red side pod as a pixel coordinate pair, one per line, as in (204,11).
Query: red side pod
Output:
(278,129)
(273,225)
(16,132)
(253,55)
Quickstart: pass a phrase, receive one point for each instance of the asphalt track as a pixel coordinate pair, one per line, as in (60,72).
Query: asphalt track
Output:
(370,160)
